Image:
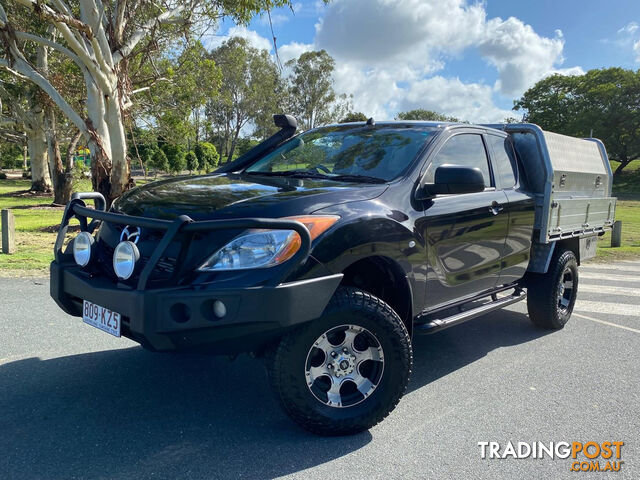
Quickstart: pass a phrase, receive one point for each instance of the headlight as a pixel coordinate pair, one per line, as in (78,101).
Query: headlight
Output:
(265,248)
(125,257)
(82,248)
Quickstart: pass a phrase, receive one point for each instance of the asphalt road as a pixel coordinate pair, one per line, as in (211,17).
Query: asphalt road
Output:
(77,403)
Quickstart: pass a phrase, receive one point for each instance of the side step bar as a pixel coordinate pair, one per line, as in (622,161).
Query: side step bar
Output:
(440,324)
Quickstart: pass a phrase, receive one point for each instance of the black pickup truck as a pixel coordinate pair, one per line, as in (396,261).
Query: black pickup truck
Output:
(325,252)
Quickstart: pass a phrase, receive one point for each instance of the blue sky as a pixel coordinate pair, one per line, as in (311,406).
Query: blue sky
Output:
(460,57)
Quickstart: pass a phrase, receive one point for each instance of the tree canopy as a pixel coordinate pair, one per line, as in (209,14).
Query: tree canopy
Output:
(603,103)
(354,117)
(425,115)
(312,98)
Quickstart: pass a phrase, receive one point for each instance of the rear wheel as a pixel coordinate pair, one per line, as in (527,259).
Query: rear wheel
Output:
(552,296)
(346,371)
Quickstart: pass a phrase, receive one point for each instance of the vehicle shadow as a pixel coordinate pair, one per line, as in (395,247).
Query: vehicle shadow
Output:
(437,355)
(129,413)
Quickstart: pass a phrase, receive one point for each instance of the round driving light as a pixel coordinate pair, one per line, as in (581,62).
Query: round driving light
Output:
(219,309)
(125,257)
(82,247)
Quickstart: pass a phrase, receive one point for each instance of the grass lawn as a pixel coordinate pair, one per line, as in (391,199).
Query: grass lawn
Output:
(36,225)
(627,184)
(628,211)
(37,220)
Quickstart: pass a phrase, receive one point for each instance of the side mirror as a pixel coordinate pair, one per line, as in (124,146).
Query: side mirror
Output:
(453,179)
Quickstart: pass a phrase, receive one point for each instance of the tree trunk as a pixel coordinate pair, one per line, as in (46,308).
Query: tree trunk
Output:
(98,140)
(110,170)
(623,163)
(40,178)
(24,156)
(71,148)
(40,175)
(61,176)
(120,168)
(236,134)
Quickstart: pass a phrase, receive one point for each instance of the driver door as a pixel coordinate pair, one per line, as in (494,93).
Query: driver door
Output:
(465,233)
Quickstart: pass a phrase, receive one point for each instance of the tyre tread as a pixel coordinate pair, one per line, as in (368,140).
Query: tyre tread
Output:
(357,300)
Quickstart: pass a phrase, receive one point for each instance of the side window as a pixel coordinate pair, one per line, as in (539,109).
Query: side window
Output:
(503,161)
(465,150)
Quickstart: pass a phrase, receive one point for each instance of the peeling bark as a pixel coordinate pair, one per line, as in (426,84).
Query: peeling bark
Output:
(97,44)
(62,177)
(37,146)
(71,148)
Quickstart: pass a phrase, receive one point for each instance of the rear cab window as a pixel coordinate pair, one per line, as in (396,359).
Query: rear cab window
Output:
(503,157)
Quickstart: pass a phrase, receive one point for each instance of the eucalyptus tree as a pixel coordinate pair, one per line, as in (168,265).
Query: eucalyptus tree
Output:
(172,107)
(103,37)
(312,98)
(248,93)
(24,110)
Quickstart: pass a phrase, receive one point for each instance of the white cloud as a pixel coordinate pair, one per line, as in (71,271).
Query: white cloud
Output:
(379,31)
(308,9)
(628,38)
(293,50)
(276,19)
(253,37)
(467,101)
(388,51)
(629,29)
(520,55)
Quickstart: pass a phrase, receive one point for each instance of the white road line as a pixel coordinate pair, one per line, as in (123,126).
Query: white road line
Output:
(606,323)
(616,267)
(608,290)
(608,276)
(609,308)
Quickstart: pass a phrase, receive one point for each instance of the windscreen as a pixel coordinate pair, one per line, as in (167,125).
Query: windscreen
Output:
(374,152)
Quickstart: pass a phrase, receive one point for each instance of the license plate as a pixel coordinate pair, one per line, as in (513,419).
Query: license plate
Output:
(102,318)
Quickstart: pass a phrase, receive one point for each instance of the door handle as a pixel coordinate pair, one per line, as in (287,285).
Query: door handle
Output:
(495,207)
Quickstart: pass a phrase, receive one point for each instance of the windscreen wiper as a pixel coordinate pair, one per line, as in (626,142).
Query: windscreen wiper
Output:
(309,174)
(291,173)
(357,178)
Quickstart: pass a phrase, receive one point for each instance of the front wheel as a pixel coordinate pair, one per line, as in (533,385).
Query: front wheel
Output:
(551,296)
(346,371)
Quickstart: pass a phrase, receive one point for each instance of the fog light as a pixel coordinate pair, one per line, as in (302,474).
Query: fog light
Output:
(82,248)
(125,257)
(219,309)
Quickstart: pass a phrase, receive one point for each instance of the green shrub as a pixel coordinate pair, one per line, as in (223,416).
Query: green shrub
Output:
(208,156)
(10,156)
(3,176)
(175,156)
(159,161)
(192,162)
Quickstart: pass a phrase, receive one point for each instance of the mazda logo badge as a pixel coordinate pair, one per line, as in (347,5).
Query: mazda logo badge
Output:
(130,234)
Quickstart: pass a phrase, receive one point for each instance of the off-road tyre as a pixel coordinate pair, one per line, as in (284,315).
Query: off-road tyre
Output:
(549,305)
(287,365)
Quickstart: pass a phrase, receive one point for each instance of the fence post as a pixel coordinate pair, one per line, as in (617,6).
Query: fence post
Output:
(8,232)
(616,234)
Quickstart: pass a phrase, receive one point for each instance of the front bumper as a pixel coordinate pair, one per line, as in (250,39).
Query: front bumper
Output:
(181,318)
